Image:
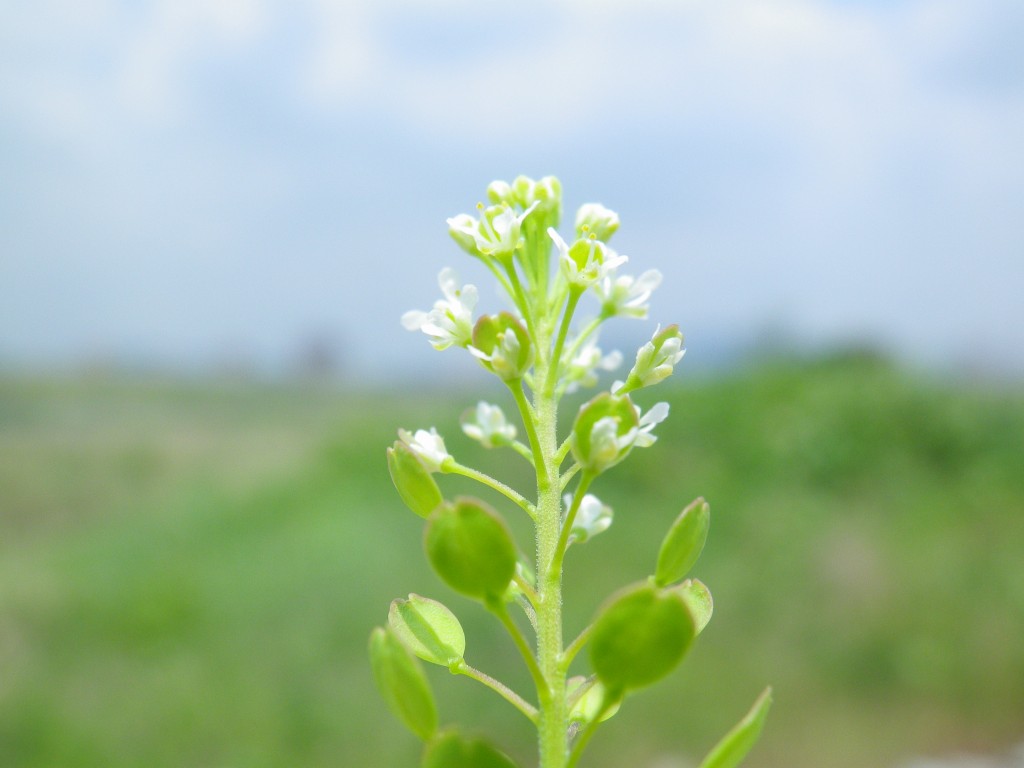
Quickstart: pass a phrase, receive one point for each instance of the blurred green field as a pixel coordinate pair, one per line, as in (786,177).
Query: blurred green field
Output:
(189,571)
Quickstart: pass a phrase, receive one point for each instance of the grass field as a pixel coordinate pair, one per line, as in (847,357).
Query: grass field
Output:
(189,571)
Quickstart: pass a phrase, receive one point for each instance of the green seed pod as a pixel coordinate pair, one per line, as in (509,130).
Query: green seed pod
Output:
(402,683)
(428,629)
(450,749)
(683,543)
(502,345)
(413,481)
(590,704)
(604,432)
(698,599)
(639,637)
(734,746)
(471,548)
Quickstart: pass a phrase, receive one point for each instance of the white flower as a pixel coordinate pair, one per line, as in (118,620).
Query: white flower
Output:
(495,233)
(592,517)
(451,320)
(488,426)
(606,445)
(582,370)
(657,414)
(586,261)
(428,446)
(627,295)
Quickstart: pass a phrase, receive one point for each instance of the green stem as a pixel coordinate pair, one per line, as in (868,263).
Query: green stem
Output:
(556,355)
(553,724)
(453,467)
(589,329)
(563,538)
(528,414)
(576,646)
(500,610)
(517,701)
(520,299)
(522,450)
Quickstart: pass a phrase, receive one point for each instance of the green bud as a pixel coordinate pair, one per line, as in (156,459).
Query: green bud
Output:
(413,481)
(604,432)
(428,629)
(500,192)
(402,683)
(594,219)
(471,548)
(734,746)
(639,637)
(698,599)
(655,360)
(502,345)
(450,749)
(683,543)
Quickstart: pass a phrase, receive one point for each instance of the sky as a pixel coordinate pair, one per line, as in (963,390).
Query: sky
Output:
(192,184)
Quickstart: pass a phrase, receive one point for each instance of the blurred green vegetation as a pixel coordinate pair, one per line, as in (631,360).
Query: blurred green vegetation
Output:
(189,572)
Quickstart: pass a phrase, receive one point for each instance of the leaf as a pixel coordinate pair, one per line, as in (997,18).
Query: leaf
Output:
(639,637)
(412,480)
(428,629)
(734,746)
(698,599)
(683,543)
(451,749)
(471,548)
(402,683)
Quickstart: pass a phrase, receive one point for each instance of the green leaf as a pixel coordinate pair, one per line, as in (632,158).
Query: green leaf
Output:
(683,543)
(413,481)
(698,599)
(428,629)
(402,683)
(471,548)
(450,749)
(639,637)
(734,746)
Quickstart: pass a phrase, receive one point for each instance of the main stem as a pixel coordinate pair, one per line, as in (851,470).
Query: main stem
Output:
(553,725)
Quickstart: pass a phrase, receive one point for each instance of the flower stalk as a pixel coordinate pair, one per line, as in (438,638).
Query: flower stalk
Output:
(642,632)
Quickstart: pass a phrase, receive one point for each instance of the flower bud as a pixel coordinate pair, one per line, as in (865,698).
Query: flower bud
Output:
(604,432)
(502,345)
(655,360)
(500,192)
(594,219)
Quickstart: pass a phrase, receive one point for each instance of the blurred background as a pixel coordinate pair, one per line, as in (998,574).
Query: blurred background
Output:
(212,216)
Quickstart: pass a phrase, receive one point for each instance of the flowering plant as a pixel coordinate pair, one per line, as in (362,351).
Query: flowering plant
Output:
(642,632)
